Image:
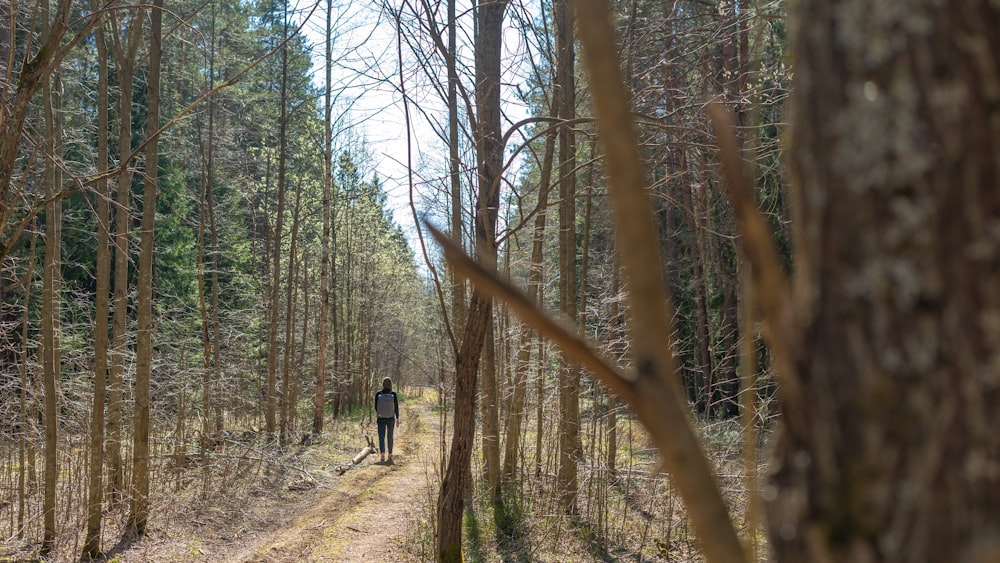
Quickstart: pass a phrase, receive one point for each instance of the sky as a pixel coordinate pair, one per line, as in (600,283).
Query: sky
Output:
(368,103)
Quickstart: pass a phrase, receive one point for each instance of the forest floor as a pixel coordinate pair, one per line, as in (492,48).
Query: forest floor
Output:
(375,511)
(256,503)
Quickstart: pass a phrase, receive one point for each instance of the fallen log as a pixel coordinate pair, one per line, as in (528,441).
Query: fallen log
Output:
(367,451)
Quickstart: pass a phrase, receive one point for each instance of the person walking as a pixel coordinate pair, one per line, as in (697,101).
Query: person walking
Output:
(387,415)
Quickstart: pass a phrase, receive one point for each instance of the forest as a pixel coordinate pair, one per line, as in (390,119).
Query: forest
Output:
(694,280)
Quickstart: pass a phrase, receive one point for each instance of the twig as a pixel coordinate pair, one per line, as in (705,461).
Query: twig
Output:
(771,287)
(649,302)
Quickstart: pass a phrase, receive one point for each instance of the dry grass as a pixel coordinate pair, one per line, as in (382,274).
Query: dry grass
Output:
(252,502)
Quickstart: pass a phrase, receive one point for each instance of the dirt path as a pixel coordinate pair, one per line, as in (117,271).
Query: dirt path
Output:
(374,512)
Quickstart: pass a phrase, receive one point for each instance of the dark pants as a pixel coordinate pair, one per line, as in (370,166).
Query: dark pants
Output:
(385,426)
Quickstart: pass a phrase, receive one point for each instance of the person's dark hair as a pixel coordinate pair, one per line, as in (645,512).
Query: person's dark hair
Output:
(387,384)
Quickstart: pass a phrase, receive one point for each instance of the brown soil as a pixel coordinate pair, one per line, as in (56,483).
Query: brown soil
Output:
(369,516)
(373,512)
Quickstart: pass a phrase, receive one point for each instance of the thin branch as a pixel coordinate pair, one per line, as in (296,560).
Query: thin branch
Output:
(576,348)
(650,305)
(771,288)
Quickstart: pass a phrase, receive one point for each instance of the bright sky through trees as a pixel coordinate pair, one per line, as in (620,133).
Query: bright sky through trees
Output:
(368,105)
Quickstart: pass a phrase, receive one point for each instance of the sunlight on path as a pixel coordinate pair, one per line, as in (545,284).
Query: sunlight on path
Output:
(377,512)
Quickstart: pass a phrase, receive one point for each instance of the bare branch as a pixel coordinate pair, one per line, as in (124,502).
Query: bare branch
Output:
(771,287)
(648,298)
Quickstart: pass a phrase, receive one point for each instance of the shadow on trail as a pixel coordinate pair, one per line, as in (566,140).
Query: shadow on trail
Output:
(509,527)
(123,545)
(512,539)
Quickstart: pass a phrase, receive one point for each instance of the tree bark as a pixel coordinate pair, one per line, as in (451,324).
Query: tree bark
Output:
(124,58)
(617,325)
(139,513)
(455,168)
(102,275)
(490,412)
(49,345)
(891,453)
(274,304)
(489,148)
(319,395)
(26,467)
(289,371)
(569,374)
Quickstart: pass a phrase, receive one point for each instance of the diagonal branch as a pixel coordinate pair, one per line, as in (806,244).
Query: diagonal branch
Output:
(771,288)
(644,395)
(573,345)
(649,301)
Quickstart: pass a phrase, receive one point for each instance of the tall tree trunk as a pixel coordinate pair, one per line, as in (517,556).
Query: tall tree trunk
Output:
(540,399)
(302,277)
(537,269)
(569,374)
(890,449)
(102,275)
(454,170)
(748,406)
(139,512)
(289,371)
(489,147)
(319,396)
(205,151)
(703,373)
(124,58)
(617,324)
(26,467)
(490,412)
(50,296)
(274,304)
(453,486)
(216,336)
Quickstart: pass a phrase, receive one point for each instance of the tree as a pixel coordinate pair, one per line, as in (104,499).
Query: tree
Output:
(102,274)
(536,267)
(124,55)
(139,489)
(489,150)
(569,375)
(276,236)
(51,355)
(319,396)
(887,452)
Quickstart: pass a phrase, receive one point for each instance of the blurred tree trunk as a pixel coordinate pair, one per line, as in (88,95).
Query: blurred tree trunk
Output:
(891,451)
